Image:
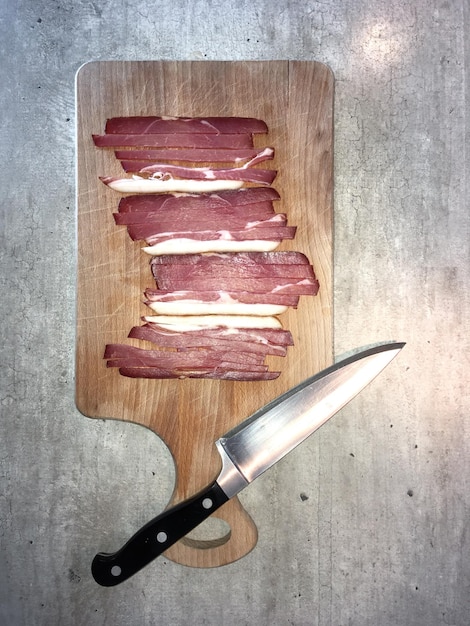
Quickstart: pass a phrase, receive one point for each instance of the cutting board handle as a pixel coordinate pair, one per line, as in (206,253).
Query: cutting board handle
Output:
(240,539)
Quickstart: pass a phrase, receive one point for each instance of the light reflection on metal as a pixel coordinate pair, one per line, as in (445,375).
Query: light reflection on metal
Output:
(276,429)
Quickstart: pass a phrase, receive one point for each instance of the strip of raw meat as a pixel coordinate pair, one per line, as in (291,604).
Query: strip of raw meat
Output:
(215,341)
(192,360)
(240,258)
(153,372)
(156,231)
(248,297)
(229,268)
(169,125)
(164,171)
(270,232)
(197,155)
(249,212)
(199,358)
(233,141)
(276,336)
(305,286)
(213,215)
(201,202)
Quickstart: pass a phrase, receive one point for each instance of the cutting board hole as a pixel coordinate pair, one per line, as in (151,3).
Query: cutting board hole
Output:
(212,533)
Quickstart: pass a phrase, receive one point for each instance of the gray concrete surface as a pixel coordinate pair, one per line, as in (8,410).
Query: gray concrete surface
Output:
(368,523)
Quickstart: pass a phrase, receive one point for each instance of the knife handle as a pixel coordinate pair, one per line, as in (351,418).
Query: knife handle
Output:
(156,537)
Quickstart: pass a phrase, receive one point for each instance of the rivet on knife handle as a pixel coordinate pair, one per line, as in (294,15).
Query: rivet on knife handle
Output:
(156,537)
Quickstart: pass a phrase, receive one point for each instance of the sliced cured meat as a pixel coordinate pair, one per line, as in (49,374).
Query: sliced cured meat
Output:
(213,215)
(237,265)
(242,341)
(193,301)
(137,184)
(195,359)
(207,215)
(304,286)
(246,212)
(197,155)
(227,353)
(146,226)
(276,336)
(200,202)
(218,374)
(141,165)
(190,360)
(269,232)
(248,297)
(178,125)
(176,140)
(225,283)
(241,258)
(165,171)
(153,231)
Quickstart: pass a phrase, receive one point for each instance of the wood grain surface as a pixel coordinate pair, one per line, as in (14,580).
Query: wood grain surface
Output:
(295,98)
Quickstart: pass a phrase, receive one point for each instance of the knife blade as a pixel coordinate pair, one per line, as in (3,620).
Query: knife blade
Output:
(246,452)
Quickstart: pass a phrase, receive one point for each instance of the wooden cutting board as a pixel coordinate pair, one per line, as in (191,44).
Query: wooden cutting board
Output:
(295,98)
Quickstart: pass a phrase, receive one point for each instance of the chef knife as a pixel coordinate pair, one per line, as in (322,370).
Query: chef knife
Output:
(246,452)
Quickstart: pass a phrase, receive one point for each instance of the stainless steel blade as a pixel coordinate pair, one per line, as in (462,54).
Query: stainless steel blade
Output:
(271,432)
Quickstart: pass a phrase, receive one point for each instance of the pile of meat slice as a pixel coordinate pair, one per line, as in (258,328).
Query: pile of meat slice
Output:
(219,222)
(161,153)
(212,234)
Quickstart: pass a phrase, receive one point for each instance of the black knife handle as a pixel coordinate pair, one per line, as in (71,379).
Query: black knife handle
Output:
(156,537)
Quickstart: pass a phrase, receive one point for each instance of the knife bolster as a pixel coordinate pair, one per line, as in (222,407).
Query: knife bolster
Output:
(230,479)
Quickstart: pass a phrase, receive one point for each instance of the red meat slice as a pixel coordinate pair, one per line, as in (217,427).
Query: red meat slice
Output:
(201,202)
(173,271)
(157,231)
(214,341)
(274,336)
(247,212)
(121,355)
(305,286)
(267,233)
(164,171)
(234,258)
(190,360)
(197,155)
(235,265)
(170,125)
(176,140)
(217,373)
(245,297)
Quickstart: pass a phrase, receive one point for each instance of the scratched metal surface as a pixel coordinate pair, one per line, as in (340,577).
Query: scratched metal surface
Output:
(367,523)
